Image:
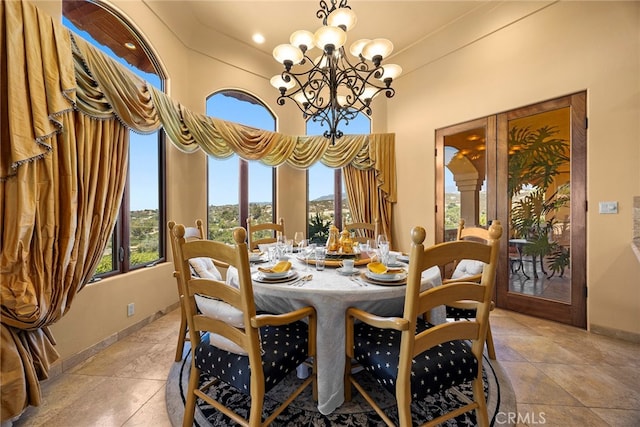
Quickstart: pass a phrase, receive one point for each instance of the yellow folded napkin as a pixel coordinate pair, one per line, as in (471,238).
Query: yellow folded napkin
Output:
(380,268)
(280,267)
(377,267)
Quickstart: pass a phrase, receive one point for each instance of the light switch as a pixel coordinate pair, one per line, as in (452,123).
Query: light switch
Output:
(608,207)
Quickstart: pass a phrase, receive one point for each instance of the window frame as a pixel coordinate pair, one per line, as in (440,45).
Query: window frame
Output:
(337,180)
(121,234)
(243,164)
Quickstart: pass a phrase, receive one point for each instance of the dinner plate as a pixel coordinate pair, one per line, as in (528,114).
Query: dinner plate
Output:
(396,264)
(386,277)
(276,275)
(342,271)
(288,276)
(400,282)
(334,254)
(403,258)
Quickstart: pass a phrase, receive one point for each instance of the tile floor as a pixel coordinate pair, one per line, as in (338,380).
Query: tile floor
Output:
(562,376)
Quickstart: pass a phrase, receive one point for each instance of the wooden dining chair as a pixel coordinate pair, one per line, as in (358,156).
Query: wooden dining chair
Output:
(412,358)
(196,232)
(467,270)
(263,233)
(363,231)
(231,342)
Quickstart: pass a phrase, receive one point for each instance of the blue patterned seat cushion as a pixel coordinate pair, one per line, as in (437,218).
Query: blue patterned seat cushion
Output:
(435,370)
(460,313)
(284,348)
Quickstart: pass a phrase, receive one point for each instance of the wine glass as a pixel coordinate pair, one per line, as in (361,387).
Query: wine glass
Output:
(298,237)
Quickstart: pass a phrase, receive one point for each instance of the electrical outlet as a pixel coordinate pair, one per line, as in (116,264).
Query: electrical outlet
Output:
(130,309)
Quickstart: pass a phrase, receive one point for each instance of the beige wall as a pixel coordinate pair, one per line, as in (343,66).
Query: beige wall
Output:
(565,48)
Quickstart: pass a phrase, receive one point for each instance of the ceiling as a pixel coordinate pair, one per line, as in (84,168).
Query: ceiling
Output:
(402,22)
(223,29)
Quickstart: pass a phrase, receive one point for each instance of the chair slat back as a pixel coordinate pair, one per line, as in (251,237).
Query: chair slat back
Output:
(363,231)
(472,233)
(417,302)
(241,298)
(274,228)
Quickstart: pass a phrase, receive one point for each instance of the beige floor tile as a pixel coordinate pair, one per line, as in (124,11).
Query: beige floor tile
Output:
(504,352)
(628,376)
(506,325)
(58,394)
(153,413)
(592,386)
(619,417)
(130,359)
(538,349)
(533,386)
(559,416)
(81,401)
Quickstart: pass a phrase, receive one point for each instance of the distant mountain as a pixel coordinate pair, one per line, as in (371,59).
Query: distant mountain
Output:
(323,198)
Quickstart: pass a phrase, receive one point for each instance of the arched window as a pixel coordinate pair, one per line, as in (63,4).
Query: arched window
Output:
(237,188)
(327,201)
(138,237)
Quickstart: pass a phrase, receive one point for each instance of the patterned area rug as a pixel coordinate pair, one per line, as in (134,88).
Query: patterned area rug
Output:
(303,411)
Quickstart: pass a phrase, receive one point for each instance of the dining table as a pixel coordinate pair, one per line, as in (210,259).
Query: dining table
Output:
(331,293)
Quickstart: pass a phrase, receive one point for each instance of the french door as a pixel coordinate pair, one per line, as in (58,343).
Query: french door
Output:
(527,168)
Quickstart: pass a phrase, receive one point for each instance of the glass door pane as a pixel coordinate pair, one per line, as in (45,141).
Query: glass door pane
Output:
(539,185)
(465,181)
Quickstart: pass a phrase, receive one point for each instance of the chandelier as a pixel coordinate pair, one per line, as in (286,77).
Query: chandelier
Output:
(332,88)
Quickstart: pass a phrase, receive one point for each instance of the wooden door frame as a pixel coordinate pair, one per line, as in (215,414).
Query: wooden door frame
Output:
(498,204)
(573,313)
(489,125)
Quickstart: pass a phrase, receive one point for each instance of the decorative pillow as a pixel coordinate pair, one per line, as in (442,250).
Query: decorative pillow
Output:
(232,277)
(466,268)
(225,312)
(205,268)
(226,344)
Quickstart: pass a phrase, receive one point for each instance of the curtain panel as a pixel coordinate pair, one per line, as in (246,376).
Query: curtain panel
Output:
(62,176)
(66,111)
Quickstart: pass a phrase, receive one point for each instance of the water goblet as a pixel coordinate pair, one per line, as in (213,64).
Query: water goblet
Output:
(320,257)
(280,246)
(302,244)
(383,248)
(309,249)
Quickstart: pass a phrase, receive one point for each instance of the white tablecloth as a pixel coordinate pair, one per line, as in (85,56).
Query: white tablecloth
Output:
(331,294)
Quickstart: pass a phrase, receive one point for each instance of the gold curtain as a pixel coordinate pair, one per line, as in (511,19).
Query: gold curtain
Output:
(62,176)
(371,185)
(65,109)
(218,138)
